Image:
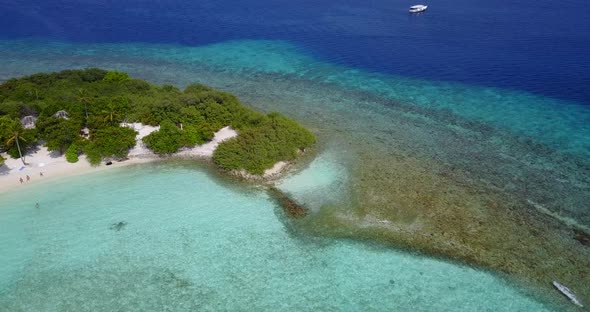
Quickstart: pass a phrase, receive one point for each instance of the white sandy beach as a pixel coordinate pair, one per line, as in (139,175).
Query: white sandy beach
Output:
(207,149)
(49,164)
(52,166)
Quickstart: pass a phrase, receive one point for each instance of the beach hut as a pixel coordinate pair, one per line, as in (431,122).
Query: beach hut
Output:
(85,133)
(61,114)
(28,122)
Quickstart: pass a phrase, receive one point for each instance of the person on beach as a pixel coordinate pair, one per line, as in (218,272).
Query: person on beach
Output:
(21,180)
(40,173)
(28,179)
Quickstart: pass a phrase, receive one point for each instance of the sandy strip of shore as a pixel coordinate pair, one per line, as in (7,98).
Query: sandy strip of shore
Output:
(207,149)
(44,166)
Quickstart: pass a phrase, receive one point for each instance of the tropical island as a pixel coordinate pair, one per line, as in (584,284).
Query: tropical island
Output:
(102,115)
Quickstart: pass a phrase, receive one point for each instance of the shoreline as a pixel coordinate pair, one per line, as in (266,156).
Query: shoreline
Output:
(54,166)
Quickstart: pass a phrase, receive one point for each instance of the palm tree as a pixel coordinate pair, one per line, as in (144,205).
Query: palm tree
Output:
(110,114)
(85,99)
(36,93)
(14,133)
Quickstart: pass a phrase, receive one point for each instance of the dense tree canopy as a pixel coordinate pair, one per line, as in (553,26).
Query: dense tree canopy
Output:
(101,100)
(259,148)
(58,133)
(167,140)
(113,141)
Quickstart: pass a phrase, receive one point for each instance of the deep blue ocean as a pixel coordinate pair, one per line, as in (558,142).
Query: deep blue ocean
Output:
(536,46)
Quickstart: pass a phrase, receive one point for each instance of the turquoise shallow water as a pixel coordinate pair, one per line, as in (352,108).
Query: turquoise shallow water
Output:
(193,242)
(325,181)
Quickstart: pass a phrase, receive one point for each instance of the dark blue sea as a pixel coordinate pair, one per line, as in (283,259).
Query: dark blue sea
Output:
(536,46)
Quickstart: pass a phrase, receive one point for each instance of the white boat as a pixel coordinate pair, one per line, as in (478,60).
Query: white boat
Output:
(418,8)
(568,293)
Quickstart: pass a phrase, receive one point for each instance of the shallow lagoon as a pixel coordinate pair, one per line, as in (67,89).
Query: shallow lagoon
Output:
(174,237)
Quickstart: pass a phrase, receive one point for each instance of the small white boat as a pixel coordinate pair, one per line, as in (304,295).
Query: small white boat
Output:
(418,8)
(568,293)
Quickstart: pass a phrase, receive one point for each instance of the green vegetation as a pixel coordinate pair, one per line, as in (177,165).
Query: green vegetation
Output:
(170,138)
(115,76)
(58,133)
(72,153)
(14,138)
(256,149)
(113,141)
(101,100)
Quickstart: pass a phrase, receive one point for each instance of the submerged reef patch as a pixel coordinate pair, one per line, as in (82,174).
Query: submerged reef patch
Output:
(292,208)
(118,226)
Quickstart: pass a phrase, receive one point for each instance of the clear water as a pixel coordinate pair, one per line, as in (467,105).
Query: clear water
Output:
(193,242)
(323,182)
